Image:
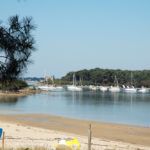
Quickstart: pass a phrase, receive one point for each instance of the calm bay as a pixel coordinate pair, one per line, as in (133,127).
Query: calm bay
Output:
(123,108)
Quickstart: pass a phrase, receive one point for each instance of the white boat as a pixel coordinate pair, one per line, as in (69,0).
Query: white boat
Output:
(51,87)
(131,89)
(143,90)
(115,88)
(44,87)
(74,87)
(103,88)
(93,88)
(55,87)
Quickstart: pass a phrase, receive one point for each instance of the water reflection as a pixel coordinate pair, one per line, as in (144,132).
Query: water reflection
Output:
(112,107)
(8,99)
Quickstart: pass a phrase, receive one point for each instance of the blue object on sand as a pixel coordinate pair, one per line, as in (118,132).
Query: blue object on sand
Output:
(1,131)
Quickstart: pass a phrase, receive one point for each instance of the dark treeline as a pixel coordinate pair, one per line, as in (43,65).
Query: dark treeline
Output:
(16,47)
(99,76)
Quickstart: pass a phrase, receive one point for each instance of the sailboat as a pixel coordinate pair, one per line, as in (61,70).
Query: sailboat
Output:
(74,87)
(55,87)
(51,87)
(103,88)
(44,87)
(130,89)
(143,90)
(115,88)
(93,88)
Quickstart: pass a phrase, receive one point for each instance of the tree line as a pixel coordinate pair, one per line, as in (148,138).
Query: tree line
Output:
(16,47)
(106,77)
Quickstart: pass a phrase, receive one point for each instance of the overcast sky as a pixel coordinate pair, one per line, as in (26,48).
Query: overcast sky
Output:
(84,34)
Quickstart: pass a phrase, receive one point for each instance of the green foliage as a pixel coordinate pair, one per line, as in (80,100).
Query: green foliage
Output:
(13,85)
(99,76)
(16,47)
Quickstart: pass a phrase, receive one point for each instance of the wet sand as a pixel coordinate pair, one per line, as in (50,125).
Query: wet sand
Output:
(106,131)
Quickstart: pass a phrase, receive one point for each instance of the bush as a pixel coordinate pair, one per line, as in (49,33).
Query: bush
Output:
(13,85)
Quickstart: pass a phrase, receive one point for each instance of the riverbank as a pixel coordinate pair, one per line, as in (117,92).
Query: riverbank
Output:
(44,130)
(23,92)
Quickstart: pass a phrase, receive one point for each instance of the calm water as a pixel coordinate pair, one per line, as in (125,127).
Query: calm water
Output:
(108,107)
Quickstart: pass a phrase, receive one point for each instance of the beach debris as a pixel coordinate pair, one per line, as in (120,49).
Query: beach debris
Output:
(1,131)
(68,144)
(2,135)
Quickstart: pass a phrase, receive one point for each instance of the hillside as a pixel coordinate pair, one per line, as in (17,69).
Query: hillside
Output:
(100,76)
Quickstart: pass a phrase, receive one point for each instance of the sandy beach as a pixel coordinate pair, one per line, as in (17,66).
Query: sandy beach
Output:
(44,130)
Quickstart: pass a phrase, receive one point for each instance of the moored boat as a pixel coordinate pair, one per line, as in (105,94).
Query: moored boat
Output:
(103,88)
(115,88)
(74,87)
(131,89)
(143,90)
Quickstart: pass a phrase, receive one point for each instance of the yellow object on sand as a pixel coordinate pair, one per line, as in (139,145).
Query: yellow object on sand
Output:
(72,144)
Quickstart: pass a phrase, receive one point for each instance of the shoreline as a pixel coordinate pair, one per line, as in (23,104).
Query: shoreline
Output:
(20,93)
(105,131)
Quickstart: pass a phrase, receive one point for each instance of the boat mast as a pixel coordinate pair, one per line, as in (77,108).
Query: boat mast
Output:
(74,79)
(52,78)
(81,81)
(116,81)
(131,79)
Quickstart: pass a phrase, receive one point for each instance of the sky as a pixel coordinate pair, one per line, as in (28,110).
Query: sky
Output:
(83,34)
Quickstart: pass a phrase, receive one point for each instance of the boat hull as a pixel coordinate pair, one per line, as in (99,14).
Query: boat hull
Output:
(74,88)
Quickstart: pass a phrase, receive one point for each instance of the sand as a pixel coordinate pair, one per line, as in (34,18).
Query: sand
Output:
(44,130)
